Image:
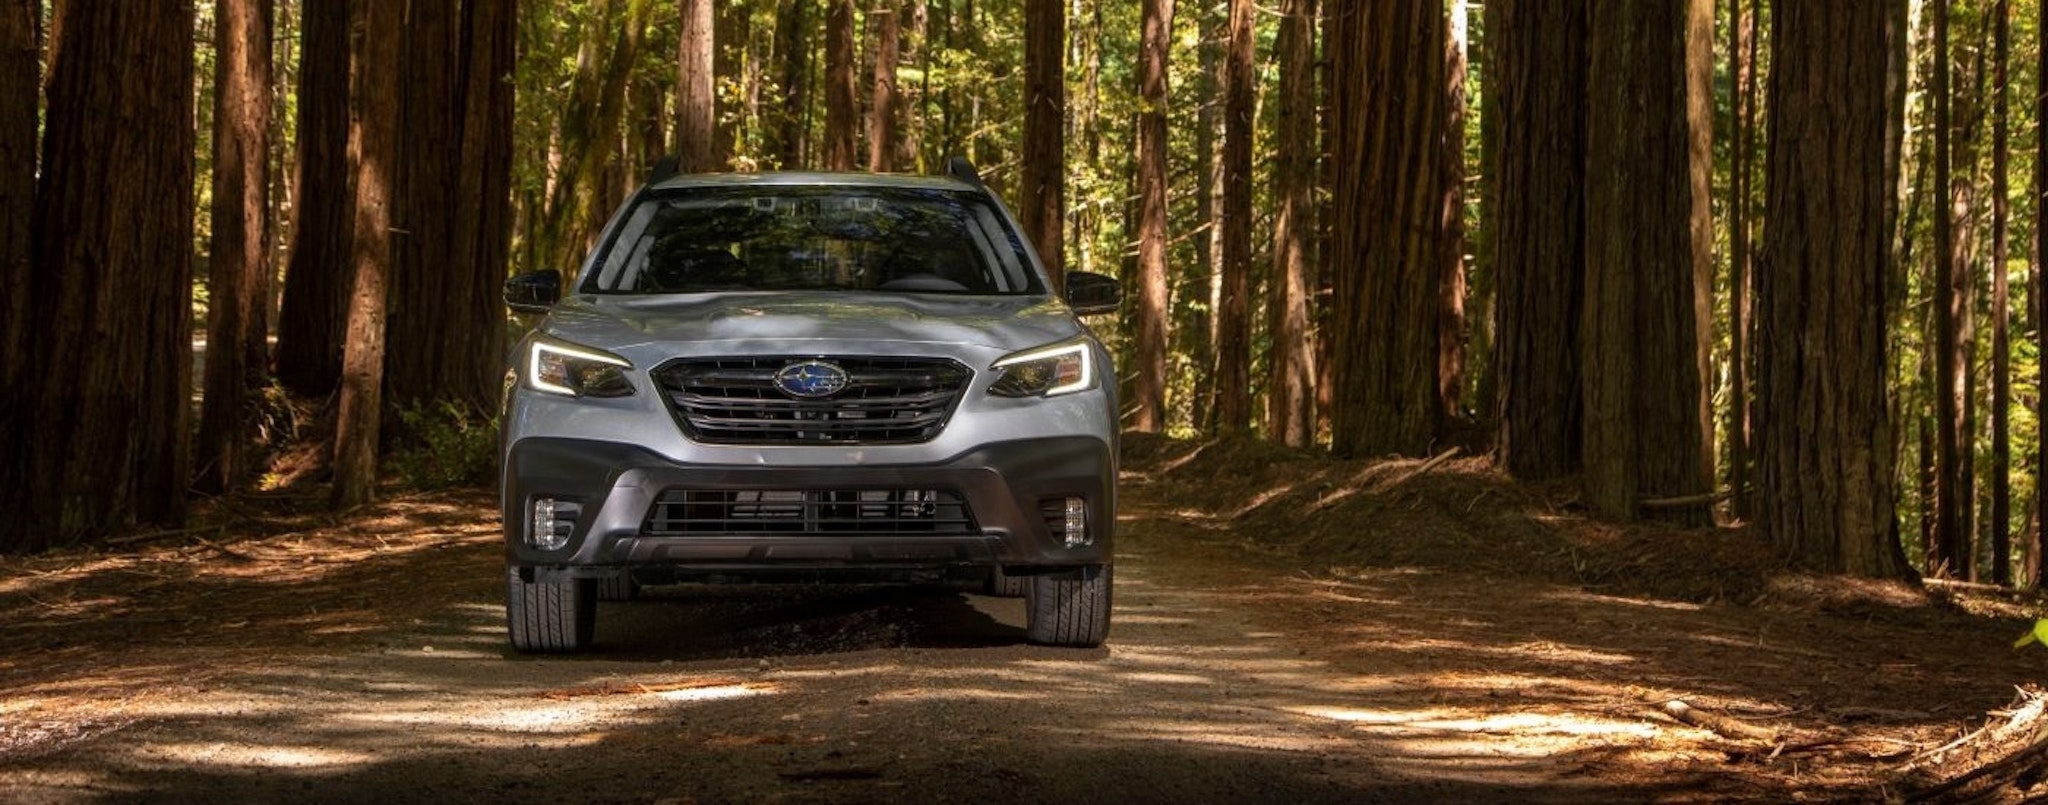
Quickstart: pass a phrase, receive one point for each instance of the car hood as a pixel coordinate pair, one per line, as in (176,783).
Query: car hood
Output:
(767,322)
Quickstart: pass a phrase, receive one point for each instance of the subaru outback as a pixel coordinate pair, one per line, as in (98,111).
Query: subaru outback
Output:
(789,377)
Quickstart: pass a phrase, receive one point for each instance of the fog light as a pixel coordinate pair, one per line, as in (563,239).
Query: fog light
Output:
(548,532)
(1077,523)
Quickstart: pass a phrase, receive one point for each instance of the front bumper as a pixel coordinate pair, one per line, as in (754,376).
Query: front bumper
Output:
(613,487)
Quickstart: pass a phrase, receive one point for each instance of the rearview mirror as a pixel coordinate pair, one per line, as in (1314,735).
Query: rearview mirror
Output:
(1089,293)
(534,291)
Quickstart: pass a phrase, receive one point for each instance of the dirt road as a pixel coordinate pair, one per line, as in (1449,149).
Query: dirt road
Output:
(364,659)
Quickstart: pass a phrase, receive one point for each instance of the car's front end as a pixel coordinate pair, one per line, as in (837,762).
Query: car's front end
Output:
(911,431)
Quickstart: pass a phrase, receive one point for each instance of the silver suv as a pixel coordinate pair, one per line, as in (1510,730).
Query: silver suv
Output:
(795,377)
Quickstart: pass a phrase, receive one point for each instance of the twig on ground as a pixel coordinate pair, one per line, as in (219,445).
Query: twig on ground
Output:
(1431,464)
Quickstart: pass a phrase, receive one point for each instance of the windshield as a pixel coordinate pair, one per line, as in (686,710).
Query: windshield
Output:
(767,238)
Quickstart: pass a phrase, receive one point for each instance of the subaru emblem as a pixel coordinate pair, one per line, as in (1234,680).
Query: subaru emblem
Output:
(811,379)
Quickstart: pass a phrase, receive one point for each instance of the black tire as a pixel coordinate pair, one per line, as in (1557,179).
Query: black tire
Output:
(621,587)
(1068,609)
(550,617)
(1004,585)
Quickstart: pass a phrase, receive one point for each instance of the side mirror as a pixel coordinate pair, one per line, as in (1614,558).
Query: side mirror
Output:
(1089,293)
(534,291)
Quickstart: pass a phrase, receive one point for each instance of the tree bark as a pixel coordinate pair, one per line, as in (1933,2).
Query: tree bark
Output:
(697,90)
(1824,464)
(238,274)
(1742,21)
(1042,194)
(373,132)
(449,206)
(1641,338)
(1539,72)
(1394,203)
(841,105)
(21,86)
(1291,406)
(1234,226)
(1948,554)
(1154,48)
(310,321)
(2001,337)
(793,71)
(108,337)
(882,110)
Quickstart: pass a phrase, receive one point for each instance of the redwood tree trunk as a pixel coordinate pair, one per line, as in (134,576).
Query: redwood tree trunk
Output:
(1539,252)
(1291,406)
(1234,226)
(1824,463)
(2001,337)
(882,110)
(793,76)
(309,324)
(1948,554)
(1042,194)
(696,90)
(841,105)
(1643,394)
(1390,98)
(20,96)
(1152,291)
(373,131)
(109,333)
(1736,431)
(238,274)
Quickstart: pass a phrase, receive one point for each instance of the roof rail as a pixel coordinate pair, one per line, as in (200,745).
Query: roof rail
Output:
(964,170)
(666,167)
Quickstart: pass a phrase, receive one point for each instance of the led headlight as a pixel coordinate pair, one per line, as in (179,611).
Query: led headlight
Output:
(557,367)
(1046,372)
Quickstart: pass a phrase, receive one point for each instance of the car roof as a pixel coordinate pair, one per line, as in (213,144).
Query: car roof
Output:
(810,179)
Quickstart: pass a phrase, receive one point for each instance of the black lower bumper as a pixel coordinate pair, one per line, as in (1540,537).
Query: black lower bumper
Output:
(613,490)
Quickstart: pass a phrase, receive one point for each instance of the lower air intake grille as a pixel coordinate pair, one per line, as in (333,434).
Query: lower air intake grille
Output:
(810,512)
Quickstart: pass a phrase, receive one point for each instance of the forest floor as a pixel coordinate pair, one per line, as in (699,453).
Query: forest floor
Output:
(1288,628)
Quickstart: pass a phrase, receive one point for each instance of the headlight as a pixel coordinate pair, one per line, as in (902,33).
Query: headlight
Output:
(560,368)
(1046,372)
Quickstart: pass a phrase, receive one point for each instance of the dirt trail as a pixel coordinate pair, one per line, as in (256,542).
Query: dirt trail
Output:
(364,659)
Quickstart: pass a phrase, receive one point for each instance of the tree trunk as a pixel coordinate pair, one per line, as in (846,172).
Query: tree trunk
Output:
(1539,72)
(697,90)
(1042,194)
(793,76)
(2001,337)
(1742,20)
(1291,406)
(882,111)
(1948,554)
(238,274)
(1824,469)
(448,202)
(1450,343)
(373,134)
(841,105)
(108,337)
(20,107)
(1151,309)
(1234,226)
(1391,99)
(1644,430)
(309,325)
(729,62)
(2037,544)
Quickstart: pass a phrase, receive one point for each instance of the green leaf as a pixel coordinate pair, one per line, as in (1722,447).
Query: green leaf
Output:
(2038,634)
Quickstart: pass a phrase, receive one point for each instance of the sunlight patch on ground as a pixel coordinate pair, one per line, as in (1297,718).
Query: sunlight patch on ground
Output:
(1584,597)
(260,757)
(1465,721)
(712,694)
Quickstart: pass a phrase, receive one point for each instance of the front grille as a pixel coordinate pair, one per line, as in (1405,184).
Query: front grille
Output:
(810,512)
(885,400)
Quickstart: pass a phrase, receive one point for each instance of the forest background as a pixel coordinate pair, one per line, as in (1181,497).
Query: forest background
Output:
(1737,262)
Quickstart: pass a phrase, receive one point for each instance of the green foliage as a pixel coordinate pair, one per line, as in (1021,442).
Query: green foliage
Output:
(441,445)
(2038,634)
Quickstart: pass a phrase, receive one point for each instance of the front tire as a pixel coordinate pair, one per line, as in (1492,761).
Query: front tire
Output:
(1004,585)
(550,617)
(621,587)
(1068,609)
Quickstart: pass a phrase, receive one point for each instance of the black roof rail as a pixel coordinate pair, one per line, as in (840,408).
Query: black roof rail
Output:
(964,170)
(668,166)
